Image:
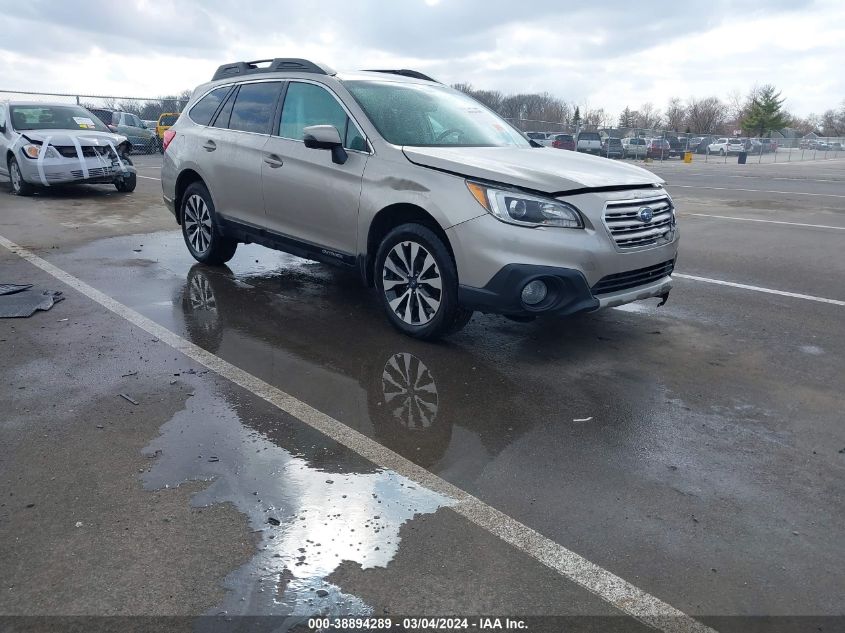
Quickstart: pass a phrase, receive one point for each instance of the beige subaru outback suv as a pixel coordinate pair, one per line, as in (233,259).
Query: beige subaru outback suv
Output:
(440,204)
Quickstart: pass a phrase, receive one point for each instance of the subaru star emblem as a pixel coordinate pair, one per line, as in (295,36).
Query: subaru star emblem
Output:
(645,214)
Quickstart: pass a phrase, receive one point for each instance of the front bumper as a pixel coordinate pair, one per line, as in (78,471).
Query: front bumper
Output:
(57,171)
(568,292)
(584,267)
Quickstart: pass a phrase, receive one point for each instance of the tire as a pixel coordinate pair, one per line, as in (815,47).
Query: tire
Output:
(722,152)
(126,184)
(201,228)
(413,303)
(20,187)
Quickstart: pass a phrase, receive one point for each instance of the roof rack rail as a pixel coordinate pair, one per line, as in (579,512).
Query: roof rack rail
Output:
(279,64)
(404,72)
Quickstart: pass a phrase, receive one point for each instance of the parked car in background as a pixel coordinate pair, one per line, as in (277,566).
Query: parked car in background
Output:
(633,148)
(676,146)
(164,123)
(478,223)
(611,147)
(753,146)
(837,146)
(44,144)
(563,141)
(130,126)
(539,137)
(698,144)
(658,148)
(589,142)
(769,145)
(724,146)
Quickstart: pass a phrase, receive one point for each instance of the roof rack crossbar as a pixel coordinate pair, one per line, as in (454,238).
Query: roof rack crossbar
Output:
(279,64)
(405,72)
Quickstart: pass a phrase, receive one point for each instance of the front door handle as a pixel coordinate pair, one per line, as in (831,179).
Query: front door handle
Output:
(209,146)
(274,161)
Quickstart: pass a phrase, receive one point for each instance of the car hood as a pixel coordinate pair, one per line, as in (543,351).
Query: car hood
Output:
(85,137)
(540,168)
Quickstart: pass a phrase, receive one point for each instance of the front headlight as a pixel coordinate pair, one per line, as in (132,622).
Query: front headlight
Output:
(32,151)
(522,209)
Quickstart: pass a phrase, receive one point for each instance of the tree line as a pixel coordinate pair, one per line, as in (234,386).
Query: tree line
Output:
(758,113)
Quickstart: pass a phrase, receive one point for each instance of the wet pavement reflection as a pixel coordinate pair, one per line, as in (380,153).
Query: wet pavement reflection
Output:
(312,504)
(632,435)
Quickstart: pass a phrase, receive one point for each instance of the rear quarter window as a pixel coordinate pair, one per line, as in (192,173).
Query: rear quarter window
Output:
(204,109)
(255,107)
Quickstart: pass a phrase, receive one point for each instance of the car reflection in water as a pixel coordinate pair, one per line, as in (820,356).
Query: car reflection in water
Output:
(326,347)
(330,504)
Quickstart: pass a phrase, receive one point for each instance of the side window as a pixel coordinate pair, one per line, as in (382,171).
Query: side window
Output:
(255,107)
(204,109)
(2,115)
(222,119)
(309,104)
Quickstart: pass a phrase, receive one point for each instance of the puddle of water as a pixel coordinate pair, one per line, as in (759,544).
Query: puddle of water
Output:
(311,512)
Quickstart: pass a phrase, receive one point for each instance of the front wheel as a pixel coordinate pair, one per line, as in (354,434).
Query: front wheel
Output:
(20,187)
(201,230)
(418,284)
(126,182)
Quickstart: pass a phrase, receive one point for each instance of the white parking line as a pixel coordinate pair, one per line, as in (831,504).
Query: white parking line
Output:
(770,291)
(790,193)
(604,584)
(730,217)
(148,177)
(759,177)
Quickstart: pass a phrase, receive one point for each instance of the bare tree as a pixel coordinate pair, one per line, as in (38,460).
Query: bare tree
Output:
(833,122)
(676,114)
(648,117)
(706,116)
(595,117)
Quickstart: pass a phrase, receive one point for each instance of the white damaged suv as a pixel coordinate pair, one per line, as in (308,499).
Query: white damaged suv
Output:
(438,202)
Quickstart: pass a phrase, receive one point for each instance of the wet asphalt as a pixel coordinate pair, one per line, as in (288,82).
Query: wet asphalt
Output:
(697,450)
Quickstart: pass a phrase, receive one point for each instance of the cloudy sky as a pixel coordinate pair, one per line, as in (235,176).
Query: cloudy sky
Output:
(606,54)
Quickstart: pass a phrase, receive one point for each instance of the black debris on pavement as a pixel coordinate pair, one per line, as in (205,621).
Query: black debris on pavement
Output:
(25,303)
(10,289)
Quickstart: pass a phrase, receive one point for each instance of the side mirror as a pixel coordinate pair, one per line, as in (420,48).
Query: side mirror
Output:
(325,137)
(2,128)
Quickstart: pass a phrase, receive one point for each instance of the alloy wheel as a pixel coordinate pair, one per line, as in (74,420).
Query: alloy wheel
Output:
(198,223)
(412,283)
(15,174)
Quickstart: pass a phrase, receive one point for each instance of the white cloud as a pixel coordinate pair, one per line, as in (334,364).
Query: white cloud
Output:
(605,56)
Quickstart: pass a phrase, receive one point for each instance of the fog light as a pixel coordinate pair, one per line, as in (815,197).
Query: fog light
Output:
(534,292)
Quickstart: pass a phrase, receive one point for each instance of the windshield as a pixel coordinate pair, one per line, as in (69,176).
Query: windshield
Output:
(49,117)
(431,116)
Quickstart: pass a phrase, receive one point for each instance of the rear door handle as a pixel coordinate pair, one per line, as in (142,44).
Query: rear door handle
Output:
(209,146)
(274,161)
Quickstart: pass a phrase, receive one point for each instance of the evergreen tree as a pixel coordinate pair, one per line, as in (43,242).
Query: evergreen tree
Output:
(765,112)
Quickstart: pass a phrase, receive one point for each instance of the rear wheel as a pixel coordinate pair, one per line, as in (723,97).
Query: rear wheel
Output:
(20,187)
(418,284)
(201,229)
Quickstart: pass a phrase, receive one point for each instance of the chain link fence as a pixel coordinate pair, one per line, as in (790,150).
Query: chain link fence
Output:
(144,119)
(658,144)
